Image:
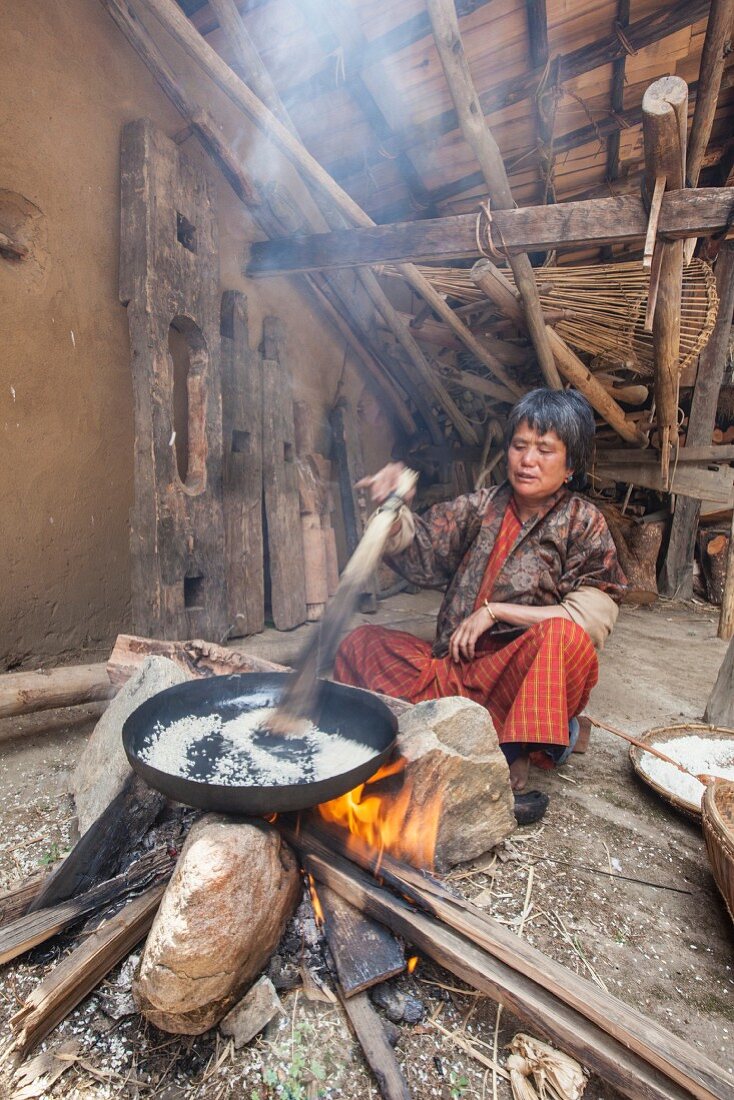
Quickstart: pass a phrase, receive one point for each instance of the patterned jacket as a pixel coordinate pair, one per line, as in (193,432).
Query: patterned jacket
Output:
(565,547)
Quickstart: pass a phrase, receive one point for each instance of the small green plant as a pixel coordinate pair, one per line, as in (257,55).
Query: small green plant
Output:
(51,855)
(458,1084)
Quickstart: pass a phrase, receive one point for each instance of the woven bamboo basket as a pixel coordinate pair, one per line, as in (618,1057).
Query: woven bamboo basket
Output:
(603,308)
(662,734)
(718,831)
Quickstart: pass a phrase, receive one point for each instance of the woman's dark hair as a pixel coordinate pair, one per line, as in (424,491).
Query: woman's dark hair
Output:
(564,412)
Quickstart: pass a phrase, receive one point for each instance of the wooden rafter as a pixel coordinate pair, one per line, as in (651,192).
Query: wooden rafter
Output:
(476,133)
(617,104)
(661,23)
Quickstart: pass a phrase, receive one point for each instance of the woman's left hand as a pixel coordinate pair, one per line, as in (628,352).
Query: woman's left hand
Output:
(463,641)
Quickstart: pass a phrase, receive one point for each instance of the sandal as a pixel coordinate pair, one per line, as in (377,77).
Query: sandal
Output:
(530,806)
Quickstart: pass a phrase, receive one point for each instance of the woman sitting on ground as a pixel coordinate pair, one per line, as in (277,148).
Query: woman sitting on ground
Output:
(531,577)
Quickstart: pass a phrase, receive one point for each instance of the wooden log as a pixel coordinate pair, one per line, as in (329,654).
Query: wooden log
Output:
(676,577)
(720,705)
(37,926)
(716,46)
(242,469)
(664,127)
(637,545)
(81,971)
(197,658)
(363,950)
(99,852)
(489,279)
(726,618)
(631,1052)
(380,1056)
(589,223)
(435,332)
(172,18)
(713,546)
(47,688)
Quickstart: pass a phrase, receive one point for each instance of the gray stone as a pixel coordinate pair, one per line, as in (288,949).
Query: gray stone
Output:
(103,768)
(256,1009)
(457,769)
(221,917)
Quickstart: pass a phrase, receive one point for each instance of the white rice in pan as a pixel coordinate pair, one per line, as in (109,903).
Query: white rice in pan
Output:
(242,756)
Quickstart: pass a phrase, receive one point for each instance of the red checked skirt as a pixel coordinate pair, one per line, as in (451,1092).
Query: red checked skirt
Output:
(530,685)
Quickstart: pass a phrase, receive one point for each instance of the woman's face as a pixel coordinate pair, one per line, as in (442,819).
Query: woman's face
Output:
(536,465)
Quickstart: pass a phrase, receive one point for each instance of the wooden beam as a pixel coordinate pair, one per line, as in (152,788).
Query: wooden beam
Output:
(676,576)
(537,32)
(491,280)
(664,126)
(662,22)
(46,688)
(591,223)
(617,104)
(476,133)
(175,22)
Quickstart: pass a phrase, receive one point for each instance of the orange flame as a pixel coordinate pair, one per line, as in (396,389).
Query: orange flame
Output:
(316,901)
(411,964)
(391,821)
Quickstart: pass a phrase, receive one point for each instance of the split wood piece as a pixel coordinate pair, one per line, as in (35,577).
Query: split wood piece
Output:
(44,689)
(175,22)
(37,926)
(716,46)
(534,1001)
(720,706)
(664,128)
(379,1054)
(15,901)
(676,577)
(435,332)
(656,206)
(282,509)
(492,282)
(81,971)
(197,658)
(99,851)
(242,469)
(473,125)
(589,222)
(726,618)
(364,951)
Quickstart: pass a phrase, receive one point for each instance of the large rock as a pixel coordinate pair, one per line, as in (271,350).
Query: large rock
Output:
(225,909)
(103,766)
(456,769)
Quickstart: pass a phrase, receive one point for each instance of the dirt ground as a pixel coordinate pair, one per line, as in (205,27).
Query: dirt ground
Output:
(664,948)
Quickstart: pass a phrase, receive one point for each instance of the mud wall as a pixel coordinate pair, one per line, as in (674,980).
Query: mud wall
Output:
(68,85)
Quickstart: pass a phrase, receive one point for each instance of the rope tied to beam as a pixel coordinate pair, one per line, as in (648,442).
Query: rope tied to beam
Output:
(483,233)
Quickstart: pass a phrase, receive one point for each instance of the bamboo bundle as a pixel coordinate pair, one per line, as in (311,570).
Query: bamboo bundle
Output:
(601,309)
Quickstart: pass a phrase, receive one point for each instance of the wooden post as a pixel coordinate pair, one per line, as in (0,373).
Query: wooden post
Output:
(720,706)
(726,618)
(491,280)
(664,126)
(716,46)
(474,127)
(676,576)
(175,22)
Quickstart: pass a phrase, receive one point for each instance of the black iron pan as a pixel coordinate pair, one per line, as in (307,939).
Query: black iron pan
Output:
(355,714)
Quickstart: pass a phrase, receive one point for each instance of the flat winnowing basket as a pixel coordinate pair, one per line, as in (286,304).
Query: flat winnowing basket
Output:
(718,830)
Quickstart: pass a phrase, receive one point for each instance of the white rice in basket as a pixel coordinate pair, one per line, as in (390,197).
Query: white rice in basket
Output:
(700,755)
(242,755)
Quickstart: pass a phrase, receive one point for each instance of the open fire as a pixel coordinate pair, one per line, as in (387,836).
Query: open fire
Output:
(383,814)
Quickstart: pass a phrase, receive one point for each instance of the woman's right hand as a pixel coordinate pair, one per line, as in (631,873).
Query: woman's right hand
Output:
(384,482)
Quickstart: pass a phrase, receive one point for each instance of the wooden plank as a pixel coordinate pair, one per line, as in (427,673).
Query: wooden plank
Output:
(282,508)
(363,950)
(345,455)
(629,1051)
(242,469)
(81,971)
(537,32)
(715,485)
(46,688)
(676,576)
(718,453)
(15,901)
(593,222)
(380,1055)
